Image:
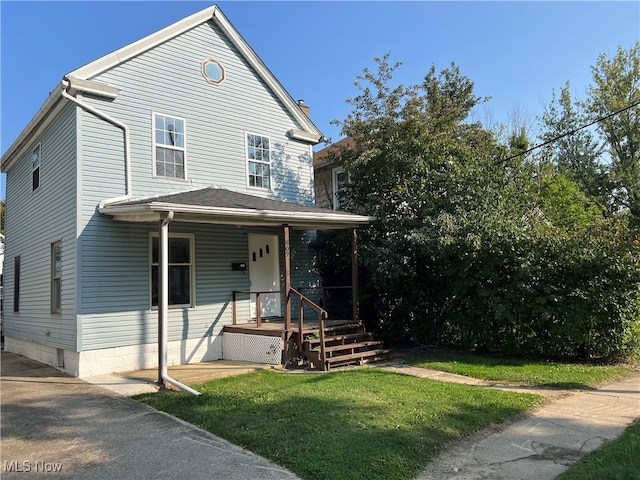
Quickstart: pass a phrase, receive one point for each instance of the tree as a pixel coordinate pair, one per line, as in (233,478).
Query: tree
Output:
(577,156)
(616,85)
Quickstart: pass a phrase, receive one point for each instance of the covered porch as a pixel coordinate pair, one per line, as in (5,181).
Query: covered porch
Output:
(301,323)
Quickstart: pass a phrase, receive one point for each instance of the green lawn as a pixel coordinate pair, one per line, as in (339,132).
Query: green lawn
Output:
(617,460)
(526,372)
(355,424)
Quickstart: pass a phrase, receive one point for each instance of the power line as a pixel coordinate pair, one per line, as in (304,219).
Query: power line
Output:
(571,132)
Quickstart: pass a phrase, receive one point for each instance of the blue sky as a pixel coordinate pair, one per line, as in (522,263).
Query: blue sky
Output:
(514,52)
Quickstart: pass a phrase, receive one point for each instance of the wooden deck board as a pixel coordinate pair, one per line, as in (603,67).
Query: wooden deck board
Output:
(275,327)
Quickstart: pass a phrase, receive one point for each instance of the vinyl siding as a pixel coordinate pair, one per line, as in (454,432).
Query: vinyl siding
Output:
(168,80)
(116,309)
(113,256)
(34,220)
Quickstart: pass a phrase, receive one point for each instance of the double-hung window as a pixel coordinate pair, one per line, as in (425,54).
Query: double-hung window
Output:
(169,147)
(180,274)
(339,180)
(35,166)
(56,276)
(259,161)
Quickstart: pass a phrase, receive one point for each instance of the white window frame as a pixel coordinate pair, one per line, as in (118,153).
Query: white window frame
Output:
(156,144)
(252,160)
(191,264)
(38,168)
(56,278)
(336,188)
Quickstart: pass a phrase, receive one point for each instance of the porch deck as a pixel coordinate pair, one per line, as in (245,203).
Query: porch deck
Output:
(275,326)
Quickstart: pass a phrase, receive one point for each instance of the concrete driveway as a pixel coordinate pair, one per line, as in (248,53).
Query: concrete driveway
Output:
(62,427)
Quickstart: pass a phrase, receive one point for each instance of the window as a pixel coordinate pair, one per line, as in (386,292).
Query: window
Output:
(180,270)
(259,158)
(339,182)
(35,167)
(213,71)
(56,275)
(169,147)
(16,284)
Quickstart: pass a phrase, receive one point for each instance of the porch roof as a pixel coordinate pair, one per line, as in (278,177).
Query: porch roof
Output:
(221,206)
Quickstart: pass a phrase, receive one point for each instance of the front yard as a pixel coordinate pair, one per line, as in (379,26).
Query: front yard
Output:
(370,423)
(355,424)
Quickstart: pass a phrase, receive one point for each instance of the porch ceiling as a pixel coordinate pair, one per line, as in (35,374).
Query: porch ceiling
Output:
(221,206)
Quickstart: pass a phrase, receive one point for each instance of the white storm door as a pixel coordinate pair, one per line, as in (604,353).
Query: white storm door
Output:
(264,274)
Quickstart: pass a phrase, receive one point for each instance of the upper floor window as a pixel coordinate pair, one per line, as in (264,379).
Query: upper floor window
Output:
(35,166)
(169,147)
(56,276)
(259,161)
(339,182)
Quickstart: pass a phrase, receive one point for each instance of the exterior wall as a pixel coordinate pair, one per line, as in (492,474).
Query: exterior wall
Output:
(168,80)
(116,310)
(117,359)
(107,323)
(113,258)
(34,220)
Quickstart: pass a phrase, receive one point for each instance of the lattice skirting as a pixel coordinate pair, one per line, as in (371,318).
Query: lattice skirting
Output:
(252,348)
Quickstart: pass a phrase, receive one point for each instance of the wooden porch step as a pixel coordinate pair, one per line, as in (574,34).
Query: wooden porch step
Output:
(353,346)
(358,357)
(340,338)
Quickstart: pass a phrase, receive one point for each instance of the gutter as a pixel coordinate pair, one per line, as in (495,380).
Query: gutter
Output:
(71,85)
(163,308)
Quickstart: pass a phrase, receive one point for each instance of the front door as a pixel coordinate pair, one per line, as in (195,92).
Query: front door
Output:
(264,274)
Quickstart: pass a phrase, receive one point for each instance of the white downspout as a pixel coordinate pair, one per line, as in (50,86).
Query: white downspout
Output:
(127,142)
(163,306)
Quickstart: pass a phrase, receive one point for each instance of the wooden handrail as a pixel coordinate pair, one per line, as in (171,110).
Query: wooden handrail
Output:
(322,314)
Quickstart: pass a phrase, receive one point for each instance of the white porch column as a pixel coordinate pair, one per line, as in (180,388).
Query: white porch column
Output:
(163,296)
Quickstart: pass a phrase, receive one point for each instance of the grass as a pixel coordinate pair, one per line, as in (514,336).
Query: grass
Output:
(355,424)
(616,460)
(518,371)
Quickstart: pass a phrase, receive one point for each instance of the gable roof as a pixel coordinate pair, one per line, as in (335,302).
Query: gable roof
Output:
(81,79)
(221,206)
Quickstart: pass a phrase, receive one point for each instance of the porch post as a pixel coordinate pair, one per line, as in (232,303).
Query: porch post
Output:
(163,297)
(354,274)
(287,278)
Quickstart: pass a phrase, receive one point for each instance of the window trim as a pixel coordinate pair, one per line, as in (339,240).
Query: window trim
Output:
(37,148)
(154,146)
(56,279)
(192,270)
(16,284)
(248,160)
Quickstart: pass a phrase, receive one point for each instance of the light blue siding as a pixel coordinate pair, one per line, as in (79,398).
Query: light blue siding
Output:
(105,277)
(36,219)
(116,309)
(168,80)
(114,264)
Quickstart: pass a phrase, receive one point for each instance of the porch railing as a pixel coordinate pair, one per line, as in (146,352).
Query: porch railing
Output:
(322,315)
(234,308)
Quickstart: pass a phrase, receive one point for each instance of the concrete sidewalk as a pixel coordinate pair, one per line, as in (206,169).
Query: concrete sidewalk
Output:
(545,443)
(63,427)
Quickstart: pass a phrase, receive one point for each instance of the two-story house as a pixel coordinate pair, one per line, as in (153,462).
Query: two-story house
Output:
(162,194)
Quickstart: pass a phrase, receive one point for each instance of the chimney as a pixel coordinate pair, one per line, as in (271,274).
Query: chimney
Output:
(303,107)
